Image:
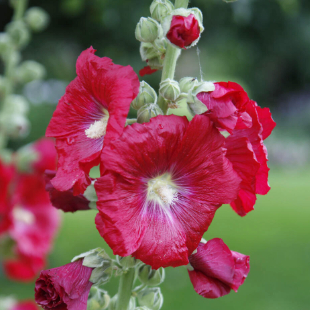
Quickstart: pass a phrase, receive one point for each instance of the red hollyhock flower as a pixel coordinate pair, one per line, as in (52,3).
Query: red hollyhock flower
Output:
(92,113)
(183,30)
(64,201)
(147,70)
(25,305)
(23,268)
(65,287)
(230,108)
(162,188)
(217,270)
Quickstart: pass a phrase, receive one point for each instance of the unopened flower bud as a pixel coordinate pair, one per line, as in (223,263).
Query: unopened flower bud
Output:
(113,303)
(29,71)
(19,33)
(147,112)
(37,19)
(195,105)
(170,89)
(147,95)
(151,298)
(127,262)
(14,125)
(15,104)
(151,277)
(5,43)
(160,9)
(187,84)
(148,51)
(98,299)
(182,27)
(148,30)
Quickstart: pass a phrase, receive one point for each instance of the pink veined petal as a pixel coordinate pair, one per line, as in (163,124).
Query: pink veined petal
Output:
(242,268)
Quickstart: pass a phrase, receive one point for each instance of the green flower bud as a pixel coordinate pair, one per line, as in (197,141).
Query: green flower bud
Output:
(37,19)
(148,111)
(98,299)
(113,303)
(151,298)
(147,95)
(127,262)
(19,33)
(7,303)
(142,308)
(15,104)
(151,277)
(187,84)
(5,43)
(29,71)
(148,51)
(148,30)
(14,125)
(160,9)
(170,89)
(24,158)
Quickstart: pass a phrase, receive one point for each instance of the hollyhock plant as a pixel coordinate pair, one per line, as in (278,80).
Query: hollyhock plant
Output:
(166,194)
(90,115)
(184,30)
(230,109)
(215,270)
(65,287)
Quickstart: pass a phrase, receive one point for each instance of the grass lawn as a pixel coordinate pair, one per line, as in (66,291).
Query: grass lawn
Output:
(276,236)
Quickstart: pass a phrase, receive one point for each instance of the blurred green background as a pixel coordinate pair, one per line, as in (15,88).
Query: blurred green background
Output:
(262,44)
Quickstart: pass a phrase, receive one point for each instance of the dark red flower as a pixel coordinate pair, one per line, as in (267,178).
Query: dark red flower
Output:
(147,70)
(230,108)
(162,188)
(66,287)
(183,30)
(217,270)
(89,116)
(23,268)
(64,201)
(25,305)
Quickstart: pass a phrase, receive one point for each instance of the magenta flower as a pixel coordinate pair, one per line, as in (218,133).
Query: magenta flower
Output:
(66,287)
(217,270)
(89,116)
(183,30)
(230,108)
(163,185)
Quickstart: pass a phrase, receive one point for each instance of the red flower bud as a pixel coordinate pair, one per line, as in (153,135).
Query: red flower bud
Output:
(217,270)
(183,30)
(66,287)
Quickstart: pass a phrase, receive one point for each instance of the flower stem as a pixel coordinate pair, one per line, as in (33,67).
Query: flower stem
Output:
(170,62)
(125,288)
(20,8)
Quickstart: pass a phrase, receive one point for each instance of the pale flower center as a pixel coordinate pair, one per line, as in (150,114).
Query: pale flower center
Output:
(22,215)
(162,190)
(98,128)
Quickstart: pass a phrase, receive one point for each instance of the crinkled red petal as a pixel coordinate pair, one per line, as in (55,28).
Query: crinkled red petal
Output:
(147,70)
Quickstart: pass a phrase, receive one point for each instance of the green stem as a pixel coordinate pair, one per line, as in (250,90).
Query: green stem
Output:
(20,8)
(170,62)
(124,289)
